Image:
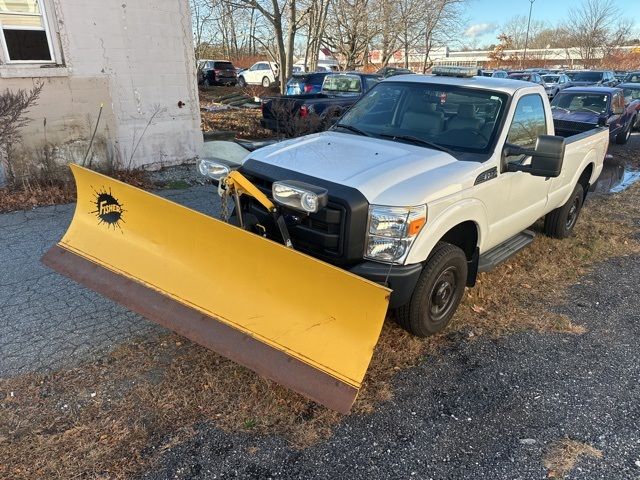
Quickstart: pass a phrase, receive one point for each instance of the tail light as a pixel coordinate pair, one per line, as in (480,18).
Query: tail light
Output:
(304,111)
(308,88)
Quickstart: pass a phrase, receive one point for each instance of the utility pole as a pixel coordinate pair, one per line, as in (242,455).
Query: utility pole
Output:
(526,41)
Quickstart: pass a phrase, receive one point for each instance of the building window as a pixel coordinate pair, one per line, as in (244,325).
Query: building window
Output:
(25,36)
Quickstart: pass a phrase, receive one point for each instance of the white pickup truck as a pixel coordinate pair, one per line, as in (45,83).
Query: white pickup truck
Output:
(423,183)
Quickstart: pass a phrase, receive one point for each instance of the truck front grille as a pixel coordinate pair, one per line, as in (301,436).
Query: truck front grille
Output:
(318,234)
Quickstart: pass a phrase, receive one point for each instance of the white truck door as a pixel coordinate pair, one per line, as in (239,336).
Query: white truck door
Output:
(526,195)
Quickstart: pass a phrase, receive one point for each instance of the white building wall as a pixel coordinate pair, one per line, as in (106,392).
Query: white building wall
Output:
(136,58)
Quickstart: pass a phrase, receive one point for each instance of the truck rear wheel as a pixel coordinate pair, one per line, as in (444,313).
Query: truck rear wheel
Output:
(559,223)
(437,294)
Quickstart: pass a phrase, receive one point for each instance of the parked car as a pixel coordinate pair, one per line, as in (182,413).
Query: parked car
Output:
(632,77)
(553,83)
(339,91)
(260,73)
(532,77)
(300,83)
(216,72)
(499,74)
(585,78)
(578,109)
(632,99)
(392,71)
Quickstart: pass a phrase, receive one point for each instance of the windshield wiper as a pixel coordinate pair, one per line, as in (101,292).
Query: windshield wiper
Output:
(561,108)
(419,141)
(353,129)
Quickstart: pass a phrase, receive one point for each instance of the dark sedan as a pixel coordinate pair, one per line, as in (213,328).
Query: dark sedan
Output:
(578,109)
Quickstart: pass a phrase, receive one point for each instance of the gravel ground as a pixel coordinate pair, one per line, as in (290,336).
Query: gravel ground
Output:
(483,409)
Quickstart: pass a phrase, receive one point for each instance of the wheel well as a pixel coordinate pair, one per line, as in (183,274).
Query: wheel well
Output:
(585,176)
(465,236)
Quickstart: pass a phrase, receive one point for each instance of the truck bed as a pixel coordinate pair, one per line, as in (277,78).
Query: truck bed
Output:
(591,144)
(569,128)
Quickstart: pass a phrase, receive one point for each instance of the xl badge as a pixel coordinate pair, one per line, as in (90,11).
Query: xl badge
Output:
(108,209)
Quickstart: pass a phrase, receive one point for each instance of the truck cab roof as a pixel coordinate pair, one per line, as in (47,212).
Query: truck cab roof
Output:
(504,85)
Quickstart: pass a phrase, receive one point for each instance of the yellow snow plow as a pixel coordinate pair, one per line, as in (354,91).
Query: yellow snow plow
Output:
(289,317)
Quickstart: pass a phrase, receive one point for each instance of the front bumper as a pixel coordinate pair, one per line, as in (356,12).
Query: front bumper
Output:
(402,279)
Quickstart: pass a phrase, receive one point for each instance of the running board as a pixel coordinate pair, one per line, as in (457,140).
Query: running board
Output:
(505,250)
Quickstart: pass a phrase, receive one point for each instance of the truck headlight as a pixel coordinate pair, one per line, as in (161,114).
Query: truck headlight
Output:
(299,196)
(392,230)
(213,170)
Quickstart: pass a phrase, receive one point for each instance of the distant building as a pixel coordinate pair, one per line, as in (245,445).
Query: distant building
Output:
(550,57)
(136,58)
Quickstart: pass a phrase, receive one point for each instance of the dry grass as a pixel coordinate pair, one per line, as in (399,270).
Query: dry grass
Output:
(39,194)
(564,454)
(245,122)
(152,394)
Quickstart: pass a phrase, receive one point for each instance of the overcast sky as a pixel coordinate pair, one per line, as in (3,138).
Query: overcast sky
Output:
(486,16)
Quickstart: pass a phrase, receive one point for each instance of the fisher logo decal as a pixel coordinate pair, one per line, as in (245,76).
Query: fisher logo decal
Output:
(108,210)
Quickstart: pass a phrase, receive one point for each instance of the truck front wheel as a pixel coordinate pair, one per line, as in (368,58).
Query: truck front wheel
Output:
(437,293)
(559,223)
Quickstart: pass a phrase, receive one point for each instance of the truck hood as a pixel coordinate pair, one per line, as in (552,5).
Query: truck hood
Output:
(385,172)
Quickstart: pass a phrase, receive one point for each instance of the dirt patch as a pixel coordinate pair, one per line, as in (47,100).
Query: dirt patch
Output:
(112,417)
(564,454)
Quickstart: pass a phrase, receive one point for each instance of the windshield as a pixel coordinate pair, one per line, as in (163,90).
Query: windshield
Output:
(587,77)
(551,78)
(342,84)
(458,118)
(631,93)
(223,66)
(581,102)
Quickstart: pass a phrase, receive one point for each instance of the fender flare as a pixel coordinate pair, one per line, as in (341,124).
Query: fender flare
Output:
(465,210)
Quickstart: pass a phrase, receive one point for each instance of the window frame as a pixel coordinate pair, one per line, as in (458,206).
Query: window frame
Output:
(522,158)
(6,58)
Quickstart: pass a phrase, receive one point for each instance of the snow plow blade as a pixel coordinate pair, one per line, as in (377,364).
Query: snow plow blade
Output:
(289,317)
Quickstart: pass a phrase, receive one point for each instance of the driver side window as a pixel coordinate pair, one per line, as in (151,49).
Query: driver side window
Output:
(529,122)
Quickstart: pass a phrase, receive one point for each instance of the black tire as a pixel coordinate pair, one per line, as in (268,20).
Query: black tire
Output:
(437,294)
(242,82)
(266,83)
(559,223)
(623,137)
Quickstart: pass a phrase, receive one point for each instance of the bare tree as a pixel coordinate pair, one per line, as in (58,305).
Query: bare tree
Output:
(595,28)
(442,23)
(516,29)
(351,28)
(315,25)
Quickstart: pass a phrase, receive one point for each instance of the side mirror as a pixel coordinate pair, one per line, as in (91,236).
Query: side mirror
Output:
(546,157)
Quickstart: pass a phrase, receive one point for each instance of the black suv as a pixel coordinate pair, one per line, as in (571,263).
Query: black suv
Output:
(217,72)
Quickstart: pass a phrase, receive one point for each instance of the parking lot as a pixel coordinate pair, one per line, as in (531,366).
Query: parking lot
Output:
(538,375)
